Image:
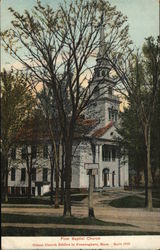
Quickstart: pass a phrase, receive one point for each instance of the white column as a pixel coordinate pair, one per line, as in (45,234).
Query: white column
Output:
(126,181)
(100,182)
(96,161)
(110,180)
(36,191)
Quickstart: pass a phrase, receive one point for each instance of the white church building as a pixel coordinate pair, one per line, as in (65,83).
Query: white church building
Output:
(99,146)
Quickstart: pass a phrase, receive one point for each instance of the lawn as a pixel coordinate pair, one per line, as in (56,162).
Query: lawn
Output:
(132,202)
(43,200)
(29,231)
(36,219)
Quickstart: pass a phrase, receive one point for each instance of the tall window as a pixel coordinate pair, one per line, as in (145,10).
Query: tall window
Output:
(45,174)
(13,174)
(45,151)
(106,153)
(113,154)
(34,151)
(13,153)
(23,174)
(24,152)
(33,174)
(112,114)
(94,152)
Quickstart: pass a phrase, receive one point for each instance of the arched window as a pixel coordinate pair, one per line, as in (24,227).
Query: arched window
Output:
(105,171)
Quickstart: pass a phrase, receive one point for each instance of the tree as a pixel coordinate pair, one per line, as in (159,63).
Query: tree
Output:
(57,154)
(138,78)
(16,102)
(59,46)
(131,140)
(29,137)
(48,107)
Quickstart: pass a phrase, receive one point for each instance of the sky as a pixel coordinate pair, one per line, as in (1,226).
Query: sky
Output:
(143,18)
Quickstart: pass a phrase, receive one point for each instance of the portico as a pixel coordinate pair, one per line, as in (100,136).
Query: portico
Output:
(108,161)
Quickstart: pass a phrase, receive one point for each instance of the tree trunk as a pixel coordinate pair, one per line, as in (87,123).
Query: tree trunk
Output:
(62,176)
(146,186)
(57,175)
(52,170)
(90,197)
(67,200)
(149,173)
(6,186)
(62,186)
(29,185)
(67,195)
(6,179)
(57,187)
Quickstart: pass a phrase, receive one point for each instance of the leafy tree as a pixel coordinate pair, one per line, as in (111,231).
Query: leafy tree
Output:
(138,77)
(59,46)
(16,102)
(131,139)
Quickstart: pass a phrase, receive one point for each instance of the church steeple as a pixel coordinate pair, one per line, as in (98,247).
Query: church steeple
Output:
(102,67)
(102,42)
(106,104)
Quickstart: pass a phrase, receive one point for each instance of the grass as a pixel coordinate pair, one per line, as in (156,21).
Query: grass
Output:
(132,202)
(44,200)
(36,219)
(15,231)
(25,200)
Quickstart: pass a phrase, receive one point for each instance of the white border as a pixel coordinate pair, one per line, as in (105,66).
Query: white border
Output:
(82,242)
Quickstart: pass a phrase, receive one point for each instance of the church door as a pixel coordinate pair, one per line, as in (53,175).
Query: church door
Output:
(105,179)
(106,176)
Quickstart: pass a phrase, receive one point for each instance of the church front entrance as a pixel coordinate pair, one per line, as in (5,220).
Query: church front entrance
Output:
(106,177)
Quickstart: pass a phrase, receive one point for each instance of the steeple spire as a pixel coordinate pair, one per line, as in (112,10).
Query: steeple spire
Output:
(102,43)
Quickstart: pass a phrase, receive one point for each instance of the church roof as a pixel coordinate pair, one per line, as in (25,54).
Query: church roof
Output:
(36,131)
(101,131)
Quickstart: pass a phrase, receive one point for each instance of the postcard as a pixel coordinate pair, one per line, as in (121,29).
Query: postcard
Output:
(80,140)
